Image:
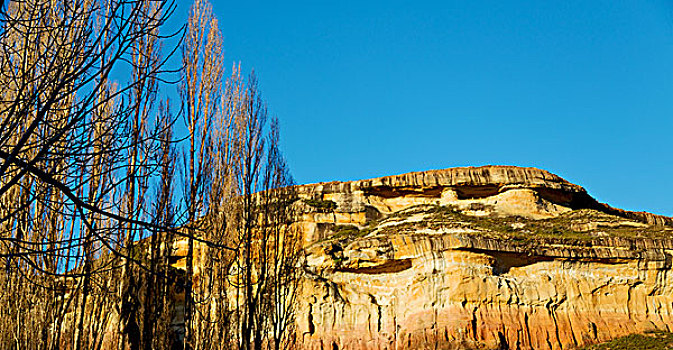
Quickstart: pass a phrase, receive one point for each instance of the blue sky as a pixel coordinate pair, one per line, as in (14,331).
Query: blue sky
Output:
(583,89)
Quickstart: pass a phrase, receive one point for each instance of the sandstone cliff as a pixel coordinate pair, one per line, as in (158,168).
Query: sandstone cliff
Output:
(483,257)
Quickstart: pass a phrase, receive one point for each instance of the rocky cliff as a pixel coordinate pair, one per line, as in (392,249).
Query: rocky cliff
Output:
(479,257)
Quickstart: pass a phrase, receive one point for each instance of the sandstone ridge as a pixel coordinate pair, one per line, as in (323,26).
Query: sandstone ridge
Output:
(477,257)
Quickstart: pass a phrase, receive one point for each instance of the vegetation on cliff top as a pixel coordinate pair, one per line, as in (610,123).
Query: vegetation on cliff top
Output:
(579,226)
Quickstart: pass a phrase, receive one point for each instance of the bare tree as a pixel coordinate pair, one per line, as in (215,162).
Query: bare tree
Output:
(282,251)
(139,168)
(250,125)
(200,90)
(268,250)
(160,281)
(212,313)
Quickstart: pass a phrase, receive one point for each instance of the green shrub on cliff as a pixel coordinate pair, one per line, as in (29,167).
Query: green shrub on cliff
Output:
(647,341)
(321,205)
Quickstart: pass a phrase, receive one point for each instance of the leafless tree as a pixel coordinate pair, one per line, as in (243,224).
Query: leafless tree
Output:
(267,249)
(212,312)
(201,87)
(282,250)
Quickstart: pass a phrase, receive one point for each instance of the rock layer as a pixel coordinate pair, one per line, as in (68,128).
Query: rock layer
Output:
(486,257)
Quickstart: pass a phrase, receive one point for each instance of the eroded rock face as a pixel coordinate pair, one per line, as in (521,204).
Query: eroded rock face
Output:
(488,257)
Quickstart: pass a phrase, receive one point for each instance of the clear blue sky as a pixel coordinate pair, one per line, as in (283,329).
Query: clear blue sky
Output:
(583,89)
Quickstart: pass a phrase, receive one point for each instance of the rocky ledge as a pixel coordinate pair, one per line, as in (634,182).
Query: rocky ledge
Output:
(490,257)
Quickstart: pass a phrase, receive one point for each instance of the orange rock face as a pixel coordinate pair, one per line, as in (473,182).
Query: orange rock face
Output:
(488,257)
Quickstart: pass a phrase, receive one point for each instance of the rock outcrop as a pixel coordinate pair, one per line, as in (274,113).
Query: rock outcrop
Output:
(482,257)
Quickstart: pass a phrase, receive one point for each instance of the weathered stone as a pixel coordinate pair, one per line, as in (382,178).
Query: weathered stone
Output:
(487,257)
